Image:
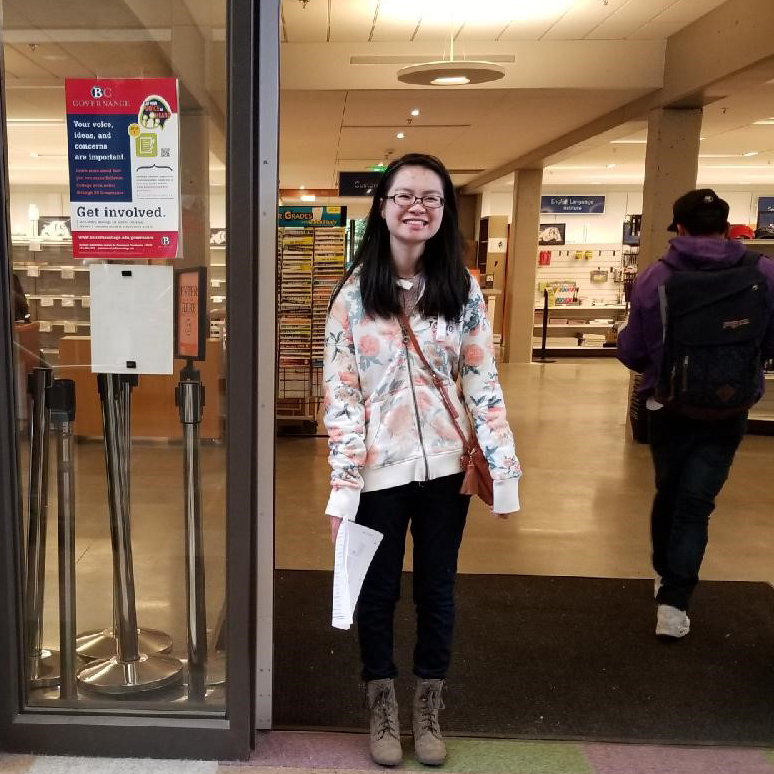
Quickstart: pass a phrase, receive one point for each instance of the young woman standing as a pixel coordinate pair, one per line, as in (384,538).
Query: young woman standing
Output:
(394,451)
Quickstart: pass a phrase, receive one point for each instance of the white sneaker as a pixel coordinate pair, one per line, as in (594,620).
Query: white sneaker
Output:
(671,622)
(658,582)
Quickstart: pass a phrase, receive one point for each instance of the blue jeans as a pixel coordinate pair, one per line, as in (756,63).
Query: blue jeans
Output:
(692,459)
(437,513)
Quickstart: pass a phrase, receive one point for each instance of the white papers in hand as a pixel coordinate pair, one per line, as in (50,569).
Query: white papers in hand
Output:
(355,548)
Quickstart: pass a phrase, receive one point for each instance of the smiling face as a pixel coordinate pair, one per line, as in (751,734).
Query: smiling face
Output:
(414,224)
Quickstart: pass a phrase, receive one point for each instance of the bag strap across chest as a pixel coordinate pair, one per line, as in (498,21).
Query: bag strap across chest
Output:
(409,336)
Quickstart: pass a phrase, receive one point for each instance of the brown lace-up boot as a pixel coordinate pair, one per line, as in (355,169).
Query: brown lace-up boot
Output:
(385,732)
(429,746)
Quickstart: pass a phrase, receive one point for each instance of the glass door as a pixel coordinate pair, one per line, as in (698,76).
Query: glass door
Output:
(128,497)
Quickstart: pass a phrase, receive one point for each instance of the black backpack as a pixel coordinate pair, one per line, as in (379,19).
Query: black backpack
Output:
(714,323)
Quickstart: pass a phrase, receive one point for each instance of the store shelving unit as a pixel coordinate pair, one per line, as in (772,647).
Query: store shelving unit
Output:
(576,330)
(57,290)
(579,329)
(217,279)
(762,413)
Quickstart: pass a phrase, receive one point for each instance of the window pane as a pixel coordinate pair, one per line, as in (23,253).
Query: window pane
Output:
(146,176)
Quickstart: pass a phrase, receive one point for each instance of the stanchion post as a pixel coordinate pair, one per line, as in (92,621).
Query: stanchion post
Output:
(129,671)
(120,529)
(189,398)
(100,644)
(61,404)
(43,665)
(203,669)
(543,358)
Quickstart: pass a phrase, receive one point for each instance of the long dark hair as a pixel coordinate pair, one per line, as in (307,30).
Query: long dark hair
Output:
(447,282)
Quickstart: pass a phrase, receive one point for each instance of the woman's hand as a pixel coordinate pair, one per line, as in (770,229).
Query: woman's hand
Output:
(335,524)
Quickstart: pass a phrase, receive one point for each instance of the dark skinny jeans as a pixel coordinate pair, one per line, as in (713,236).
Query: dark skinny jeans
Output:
(436,512)
(692,459)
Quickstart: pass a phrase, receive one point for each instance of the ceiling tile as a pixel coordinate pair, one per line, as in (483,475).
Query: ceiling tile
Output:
(436,108)
(18,63)
(583,17)
(656,30)
(481,30)
(305,24)
(371,142)
(629,18)
(397,20)
(687,11)
(351,20)
(533,29)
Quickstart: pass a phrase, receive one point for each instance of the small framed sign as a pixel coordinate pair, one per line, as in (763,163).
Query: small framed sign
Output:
(552,233)
(191,323)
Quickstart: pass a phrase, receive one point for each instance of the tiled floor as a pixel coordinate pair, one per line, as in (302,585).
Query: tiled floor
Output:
(585,494)
(585,498)
(303,753)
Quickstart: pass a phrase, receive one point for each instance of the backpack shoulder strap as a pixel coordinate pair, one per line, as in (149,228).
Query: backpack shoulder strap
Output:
(749,259)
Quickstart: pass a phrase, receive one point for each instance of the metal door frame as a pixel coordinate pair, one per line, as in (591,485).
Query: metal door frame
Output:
(251,180)
(266,376)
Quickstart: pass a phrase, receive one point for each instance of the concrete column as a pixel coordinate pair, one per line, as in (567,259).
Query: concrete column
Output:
(468,215)
(469,209)
(522,266)
(671,165)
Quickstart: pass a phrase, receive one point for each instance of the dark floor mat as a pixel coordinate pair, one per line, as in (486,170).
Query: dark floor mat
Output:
(541,657)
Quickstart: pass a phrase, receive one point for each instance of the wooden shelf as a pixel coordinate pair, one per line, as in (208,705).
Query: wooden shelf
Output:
(568,308)
(585,326)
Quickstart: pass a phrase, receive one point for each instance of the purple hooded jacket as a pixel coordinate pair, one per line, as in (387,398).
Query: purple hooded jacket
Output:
(640,340)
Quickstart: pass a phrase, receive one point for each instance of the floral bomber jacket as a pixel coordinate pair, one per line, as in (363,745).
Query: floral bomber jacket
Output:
(386,422)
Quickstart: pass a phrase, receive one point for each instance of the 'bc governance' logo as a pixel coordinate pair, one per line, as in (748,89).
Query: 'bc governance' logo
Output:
(97,92)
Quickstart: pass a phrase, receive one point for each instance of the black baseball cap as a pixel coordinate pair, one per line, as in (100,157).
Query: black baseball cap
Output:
(700,210)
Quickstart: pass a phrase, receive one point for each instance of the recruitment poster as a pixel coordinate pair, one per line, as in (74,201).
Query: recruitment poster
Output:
(123,139)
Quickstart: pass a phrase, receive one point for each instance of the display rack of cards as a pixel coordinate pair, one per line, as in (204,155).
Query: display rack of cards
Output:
(294,303)
(329,251)
(311,262)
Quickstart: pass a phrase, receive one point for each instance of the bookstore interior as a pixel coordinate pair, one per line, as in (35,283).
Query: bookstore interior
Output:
(144,425)
(586,264)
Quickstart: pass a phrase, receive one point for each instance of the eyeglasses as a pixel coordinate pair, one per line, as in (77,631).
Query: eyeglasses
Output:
(404,200)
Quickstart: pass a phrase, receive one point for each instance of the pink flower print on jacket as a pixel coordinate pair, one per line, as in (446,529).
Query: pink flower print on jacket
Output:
(472,359)
(399,419)
(368,348)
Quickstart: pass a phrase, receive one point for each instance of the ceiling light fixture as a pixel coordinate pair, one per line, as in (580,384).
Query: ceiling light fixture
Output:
(400,135)
(415,112)
(751,153)
(308,198)
(765,122)
(451,71)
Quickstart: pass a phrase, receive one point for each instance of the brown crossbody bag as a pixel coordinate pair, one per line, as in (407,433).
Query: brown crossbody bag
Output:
(478,479)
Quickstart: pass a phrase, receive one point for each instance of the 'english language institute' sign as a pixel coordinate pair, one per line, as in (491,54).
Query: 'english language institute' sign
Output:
(572,205)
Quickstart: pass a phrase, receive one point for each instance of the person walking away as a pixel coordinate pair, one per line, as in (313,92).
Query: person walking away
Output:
(395,452)
(701,324)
